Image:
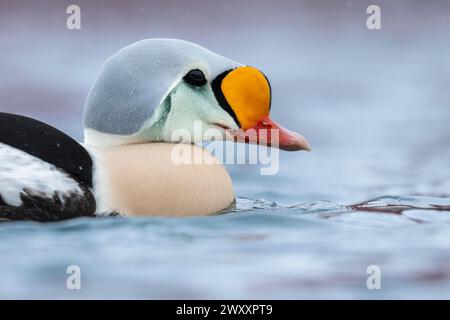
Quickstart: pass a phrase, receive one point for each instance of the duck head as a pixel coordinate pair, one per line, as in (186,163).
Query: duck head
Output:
(152,89)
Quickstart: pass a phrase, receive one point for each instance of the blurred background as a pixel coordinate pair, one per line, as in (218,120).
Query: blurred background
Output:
(374,104)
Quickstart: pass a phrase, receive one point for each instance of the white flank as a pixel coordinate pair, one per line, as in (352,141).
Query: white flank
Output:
(19,170)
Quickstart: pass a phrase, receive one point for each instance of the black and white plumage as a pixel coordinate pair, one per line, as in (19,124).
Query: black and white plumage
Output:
(44,174)
(148,96)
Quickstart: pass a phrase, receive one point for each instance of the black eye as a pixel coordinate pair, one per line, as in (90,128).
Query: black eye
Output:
(195,78)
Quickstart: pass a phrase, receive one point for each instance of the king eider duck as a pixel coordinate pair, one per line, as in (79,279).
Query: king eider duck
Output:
(142,96)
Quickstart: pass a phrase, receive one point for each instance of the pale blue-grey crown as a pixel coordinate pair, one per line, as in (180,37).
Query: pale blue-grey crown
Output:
(135,81)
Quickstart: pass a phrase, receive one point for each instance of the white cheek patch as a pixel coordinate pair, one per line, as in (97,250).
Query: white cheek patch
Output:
(19,170)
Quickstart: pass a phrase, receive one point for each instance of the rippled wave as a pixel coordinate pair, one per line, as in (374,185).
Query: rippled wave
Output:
(258,250)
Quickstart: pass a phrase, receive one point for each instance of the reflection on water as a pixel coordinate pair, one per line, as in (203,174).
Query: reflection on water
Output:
(374,191)
(402,203)
(260,250)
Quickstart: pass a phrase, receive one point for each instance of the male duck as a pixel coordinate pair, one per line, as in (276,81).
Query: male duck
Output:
(146,92)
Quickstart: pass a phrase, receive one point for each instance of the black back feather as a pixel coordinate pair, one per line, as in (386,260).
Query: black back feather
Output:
(48,144)
(54,147)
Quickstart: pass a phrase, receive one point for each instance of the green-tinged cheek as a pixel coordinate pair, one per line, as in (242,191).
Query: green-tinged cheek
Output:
(153,129)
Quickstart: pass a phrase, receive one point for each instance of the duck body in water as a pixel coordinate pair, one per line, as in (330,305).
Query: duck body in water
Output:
(145,107)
